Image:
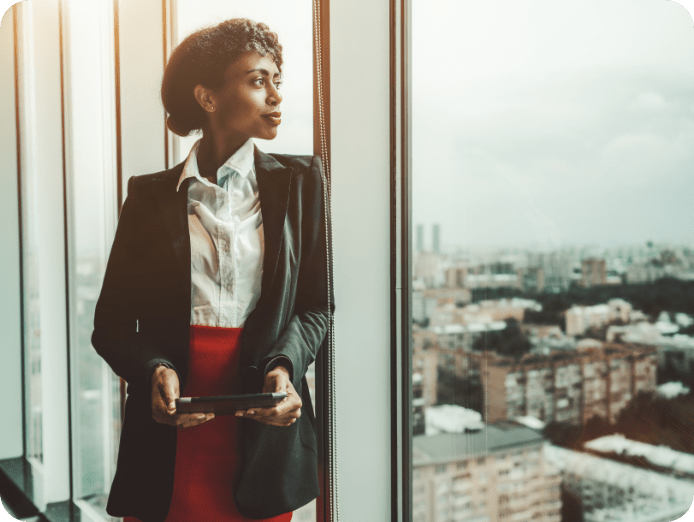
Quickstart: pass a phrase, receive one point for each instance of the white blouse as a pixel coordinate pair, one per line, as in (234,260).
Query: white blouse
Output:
(226,240)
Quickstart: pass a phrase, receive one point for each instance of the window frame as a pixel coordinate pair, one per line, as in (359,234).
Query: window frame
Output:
(401,249)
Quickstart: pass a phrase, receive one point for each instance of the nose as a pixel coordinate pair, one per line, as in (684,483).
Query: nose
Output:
(274,98)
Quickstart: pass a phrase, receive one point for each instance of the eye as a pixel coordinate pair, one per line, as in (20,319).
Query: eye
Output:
(278,85)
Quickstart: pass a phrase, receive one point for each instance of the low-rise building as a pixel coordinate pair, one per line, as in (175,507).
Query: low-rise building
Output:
(495,474)
(579,319)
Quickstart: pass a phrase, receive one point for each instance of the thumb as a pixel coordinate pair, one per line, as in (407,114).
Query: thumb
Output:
(170,395)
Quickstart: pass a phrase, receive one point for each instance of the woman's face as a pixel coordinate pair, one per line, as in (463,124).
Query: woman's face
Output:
(248,105)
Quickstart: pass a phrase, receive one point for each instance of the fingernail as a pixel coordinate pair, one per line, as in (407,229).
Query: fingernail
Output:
(239,414)
(251,412)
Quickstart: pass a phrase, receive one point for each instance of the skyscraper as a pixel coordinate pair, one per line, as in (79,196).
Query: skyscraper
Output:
(420,238)
(436,239)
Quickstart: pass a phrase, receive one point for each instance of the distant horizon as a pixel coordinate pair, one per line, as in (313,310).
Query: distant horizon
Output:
(535,246)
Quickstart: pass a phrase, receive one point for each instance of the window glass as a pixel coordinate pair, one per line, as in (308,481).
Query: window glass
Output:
(30,221)
(32,323)
(553,254)
(91,172)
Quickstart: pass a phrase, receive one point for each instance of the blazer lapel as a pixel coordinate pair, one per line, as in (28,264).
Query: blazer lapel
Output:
(174,209)
(274,181)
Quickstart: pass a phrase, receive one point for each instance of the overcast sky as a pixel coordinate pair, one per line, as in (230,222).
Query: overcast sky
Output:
(548,123)
(535,122)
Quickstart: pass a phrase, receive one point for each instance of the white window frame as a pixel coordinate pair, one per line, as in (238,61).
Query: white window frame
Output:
(42,175)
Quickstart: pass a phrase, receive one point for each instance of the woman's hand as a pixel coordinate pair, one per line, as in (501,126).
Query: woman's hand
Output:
(164,394)
(287,411)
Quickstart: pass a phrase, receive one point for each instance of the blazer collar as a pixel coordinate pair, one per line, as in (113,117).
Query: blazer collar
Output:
(274,182)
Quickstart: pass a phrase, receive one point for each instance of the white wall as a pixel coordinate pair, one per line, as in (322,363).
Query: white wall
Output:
(360,105)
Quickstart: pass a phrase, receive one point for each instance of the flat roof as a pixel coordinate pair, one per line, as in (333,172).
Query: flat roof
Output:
(451,447)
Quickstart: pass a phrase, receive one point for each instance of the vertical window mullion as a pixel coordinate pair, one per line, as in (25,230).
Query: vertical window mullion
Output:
(43,224)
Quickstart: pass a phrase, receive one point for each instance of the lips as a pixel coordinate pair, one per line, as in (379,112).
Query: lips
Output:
(273,117)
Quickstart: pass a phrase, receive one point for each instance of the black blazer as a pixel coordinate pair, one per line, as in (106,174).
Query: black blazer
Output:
(142,318)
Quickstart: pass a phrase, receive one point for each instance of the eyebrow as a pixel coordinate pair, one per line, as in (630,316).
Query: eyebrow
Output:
(263,71)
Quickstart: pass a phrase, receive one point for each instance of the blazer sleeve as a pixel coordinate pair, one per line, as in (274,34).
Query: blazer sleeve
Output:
(115,337)
(308,326)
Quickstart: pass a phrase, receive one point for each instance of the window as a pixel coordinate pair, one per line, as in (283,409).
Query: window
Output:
(85,118)
(547,160)
(90,160)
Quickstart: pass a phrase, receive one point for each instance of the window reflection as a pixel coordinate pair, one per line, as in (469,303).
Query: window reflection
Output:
(553,262)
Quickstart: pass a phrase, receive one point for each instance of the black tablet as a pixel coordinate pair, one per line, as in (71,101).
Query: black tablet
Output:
(228,404)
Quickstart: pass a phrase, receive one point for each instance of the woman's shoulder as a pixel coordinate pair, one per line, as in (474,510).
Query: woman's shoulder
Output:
(302,161)
(169,176)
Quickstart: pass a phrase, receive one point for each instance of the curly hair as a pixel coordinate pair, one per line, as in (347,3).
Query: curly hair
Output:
(202,59)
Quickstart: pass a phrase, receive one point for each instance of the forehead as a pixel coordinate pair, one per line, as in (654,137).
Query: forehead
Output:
(249,61)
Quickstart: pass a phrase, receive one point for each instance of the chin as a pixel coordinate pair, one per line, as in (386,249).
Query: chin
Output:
(268,135)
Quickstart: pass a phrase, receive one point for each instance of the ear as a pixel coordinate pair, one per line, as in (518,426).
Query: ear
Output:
(205,98)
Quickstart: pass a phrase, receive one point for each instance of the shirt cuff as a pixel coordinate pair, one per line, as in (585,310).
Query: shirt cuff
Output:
(280,360)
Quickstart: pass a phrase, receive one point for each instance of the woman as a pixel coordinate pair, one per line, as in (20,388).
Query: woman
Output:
(217,283)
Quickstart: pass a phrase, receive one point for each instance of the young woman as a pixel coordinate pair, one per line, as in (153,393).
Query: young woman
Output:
(217,284)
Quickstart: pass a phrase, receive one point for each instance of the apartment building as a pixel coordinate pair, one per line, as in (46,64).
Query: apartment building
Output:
(496,474)
(568,386)
(593,272)
(581,318)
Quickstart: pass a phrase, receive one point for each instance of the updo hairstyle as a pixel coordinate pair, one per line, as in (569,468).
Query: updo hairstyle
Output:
(202,59)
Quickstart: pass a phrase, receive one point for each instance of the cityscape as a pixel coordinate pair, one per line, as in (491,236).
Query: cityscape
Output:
(552,385)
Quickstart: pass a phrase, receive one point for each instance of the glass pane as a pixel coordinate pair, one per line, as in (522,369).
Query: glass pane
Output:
(90,149)
(293,23)
(32,321)
(553,293)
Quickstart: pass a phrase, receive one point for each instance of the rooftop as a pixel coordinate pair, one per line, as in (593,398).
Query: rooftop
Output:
(451,447)
(658,455)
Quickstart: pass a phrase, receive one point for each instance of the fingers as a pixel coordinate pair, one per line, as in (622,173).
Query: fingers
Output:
(184,420)
(164,394)
(165,391)
(284,414)
(160,412)
(272,421)
(188,420)
(170,392)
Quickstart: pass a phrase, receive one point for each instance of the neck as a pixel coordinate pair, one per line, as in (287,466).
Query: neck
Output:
(214,150)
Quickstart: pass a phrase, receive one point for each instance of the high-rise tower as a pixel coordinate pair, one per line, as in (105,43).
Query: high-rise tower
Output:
(436,239)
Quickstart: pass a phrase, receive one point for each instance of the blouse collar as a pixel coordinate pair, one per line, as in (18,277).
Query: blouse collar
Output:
(242,161)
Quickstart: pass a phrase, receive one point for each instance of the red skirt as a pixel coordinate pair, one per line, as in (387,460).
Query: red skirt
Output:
(207,455)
